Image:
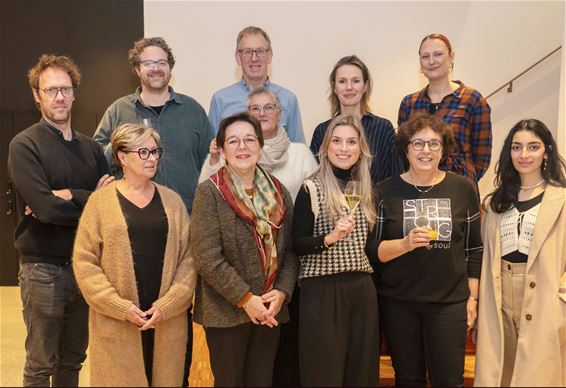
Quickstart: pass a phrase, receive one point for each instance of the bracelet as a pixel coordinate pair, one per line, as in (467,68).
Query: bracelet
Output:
(475,298)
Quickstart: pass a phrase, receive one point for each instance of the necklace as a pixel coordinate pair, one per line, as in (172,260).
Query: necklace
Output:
(424,191)
(532,186)
(431,186)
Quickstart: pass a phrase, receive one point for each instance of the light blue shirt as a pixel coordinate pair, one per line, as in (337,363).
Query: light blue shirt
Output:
(233,99)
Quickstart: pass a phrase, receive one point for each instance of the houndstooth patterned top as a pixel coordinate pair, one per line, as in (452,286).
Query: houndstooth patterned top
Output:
(343,256)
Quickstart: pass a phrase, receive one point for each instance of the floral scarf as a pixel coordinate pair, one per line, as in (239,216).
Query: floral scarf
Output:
(264,211)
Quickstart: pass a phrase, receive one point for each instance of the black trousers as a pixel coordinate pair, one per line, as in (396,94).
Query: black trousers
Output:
(189,348)
(242,355)
(286,369)
(338,331)
(423,336)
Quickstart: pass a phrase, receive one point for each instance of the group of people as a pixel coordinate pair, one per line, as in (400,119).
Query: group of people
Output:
(297,259)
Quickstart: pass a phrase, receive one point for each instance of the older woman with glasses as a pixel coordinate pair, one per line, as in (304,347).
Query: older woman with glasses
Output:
(290,162)
(429,249)
(241,243)
(132,265)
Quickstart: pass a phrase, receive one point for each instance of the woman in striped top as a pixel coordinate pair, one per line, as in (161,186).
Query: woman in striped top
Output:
(350,85)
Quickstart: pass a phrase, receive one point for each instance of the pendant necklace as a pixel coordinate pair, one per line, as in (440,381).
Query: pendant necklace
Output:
(430,188)
(532,186)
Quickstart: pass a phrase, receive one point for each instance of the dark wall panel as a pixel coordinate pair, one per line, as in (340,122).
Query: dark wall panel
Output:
(97,34)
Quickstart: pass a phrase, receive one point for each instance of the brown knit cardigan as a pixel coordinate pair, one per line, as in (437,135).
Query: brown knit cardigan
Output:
(228,262)
(103,265)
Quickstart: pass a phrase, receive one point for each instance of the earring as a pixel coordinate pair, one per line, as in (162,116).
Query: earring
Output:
(545,164)
(422,71)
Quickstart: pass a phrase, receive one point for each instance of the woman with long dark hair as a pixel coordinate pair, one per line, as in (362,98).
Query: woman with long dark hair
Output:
(522,310)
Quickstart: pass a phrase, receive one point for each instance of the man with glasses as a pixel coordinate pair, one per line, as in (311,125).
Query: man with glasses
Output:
(254,54)
(54,169)
(179,119)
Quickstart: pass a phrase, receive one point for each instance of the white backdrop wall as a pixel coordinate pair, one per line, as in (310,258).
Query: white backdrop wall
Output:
(493,42)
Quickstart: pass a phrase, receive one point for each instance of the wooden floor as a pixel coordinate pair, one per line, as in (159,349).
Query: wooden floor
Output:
(12,335)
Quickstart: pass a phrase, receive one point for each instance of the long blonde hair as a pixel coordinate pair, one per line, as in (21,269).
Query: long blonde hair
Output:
(360,171)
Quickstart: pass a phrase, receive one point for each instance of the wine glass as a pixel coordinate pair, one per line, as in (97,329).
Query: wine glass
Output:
(353,195)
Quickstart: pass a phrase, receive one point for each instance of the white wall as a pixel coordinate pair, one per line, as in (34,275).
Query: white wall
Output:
(493,42)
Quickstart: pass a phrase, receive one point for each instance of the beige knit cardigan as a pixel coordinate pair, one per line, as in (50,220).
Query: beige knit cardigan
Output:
(103,265)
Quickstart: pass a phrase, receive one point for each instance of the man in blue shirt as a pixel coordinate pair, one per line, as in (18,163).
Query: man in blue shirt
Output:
(254,54)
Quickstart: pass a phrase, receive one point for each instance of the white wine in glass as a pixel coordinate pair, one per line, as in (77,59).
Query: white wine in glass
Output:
(353,195)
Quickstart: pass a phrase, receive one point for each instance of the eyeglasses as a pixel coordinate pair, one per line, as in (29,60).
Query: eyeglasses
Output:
(66,91)
(433,145)
(144,153)
(149,64)
(267,108)
(250,141)
(260,52)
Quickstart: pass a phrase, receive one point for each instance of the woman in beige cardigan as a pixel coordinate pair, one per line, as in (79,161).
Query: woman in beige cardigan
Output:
(133,268)
(522,299)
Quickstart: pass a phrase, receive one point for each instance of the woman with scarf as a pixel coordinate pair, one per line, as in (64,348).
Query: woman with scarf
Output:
(290,162)
(241,244)
(338,330)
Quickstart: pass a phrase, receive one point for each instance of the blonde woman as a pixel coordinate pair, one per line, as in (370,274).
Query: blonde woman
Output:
(338,330)
(132,265)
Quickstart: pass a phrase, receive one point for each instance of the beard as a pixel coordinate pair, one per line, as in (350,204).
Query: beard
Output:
(156,80)
(57,116)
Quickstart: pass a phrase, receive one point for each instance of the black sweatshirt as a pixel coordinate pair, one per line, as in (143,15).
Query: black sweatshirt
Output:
(41,160)
(437,273)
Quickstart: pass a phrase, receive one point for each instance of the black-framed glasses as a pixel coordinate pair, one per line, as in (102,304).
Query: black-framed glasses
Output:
(267,108)
(248,53)
(150,64)
(66,91)
(144,153)
(433,145)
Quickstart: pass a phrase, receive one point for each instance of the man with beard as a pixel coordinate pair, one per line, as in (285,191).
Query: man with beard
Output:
(54,170)
(180,120)
(254,55)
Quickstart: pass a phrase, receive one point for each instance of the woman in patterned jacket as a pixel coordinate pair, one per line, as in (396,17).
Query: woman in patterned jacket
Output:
(338,330)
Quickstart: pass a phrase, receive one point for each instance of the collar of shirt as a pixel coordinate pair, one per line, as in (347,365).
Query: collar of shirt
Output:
(57,131)
(173,96)
(458,93)
(244,84)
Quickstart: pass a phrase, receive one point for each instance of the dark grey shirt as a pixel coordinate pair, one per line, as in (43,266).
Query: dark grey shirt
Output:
(185,137)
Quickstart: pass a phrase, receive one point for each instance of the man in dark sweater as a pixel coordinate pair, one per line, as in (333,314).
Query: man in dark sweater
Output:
(54,170)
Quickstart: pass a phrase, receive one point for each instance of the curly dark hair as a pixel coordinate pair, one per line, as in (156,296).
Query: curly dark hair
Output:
(418,122)
(140,45)
(507,180)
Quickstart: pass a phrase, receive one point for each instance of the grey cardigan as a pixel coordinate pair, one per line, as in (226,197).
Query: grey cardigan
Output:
(228,262)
